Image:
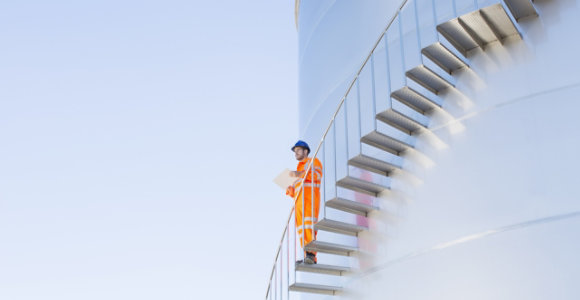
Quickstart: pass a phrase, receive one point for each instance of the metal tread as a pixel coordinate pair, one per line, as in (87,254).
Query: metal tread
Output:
(479,28)
(322,269)
(331,248)
(496,17)
(315,288)
(372,164)
(415,100)
(339,227)
(521,8)
(429,79)
(351,206)
(360,185)
(456,35)
(385,142)
(474,34)
(401,121)
(444,58)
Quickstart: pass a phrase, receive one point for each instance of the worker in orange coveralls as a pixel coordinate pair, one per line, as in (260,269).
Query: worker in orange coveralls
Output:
(305,215)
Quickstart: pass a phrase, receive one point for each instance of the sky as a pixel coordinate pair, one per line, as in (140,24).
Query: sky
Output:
(139,140)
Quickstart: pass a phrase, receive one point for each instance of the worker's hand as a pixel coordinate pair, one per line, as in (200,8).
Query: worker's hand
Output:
(290,191)
(296,173)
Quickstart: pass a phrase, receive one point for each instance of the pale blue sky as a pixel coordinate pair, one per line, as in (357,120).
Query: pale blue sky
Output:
(139,140)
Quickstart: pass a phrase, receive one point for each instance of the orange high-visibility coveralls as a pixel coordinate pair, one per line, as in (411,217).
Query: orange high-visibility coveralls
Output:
(305,216)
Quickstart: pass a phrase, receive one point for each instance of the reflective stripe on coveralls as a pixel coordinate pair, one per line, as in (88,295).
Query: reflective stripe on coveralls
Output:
(304,217)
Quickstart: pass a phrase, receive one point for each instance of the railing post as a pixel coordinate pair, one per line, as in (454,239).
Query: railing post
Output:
(323,182)
(312,199)
(295,246)
(418,30)
(390,100)
(303,192)
(281,279)
(435,19)
(373,92)
(401,41)
(288,264)
(335,164)
(346,130)
(359,114)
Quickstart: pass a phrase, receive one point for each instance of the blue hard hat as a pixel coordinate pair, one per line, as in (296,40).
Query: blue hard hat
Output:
(302,144)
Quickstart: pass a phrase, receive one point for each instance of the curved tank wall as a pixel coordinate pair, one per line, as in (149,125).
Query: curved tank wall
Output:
(334,39)
(490,208)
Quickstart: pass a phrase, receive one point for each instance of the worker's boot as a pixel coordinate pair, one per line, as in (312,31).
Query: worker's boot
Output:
(310,258)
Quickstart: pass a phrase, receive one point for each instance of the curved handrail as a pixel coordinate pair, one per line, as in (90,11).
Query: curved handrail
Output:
(309,166)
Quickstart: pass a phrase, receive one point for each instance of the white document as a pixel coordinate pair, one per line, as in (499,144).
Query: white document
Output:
(284,179)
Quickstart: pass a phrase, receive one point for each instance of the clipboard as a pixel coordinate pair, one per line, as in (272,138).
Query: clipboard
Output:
(284,179)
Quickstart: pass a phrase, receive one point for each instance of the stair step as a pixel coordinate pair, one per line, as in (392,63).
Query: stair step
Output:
(339,227)
(315,288)
(521,8)
(500,23)
(474,25)
(478,28)
(351,206)
(456,35)
(403,118)
(373,164)
(322,269)
(416,100)
(385,142)
(488,25)
(369,187)
(444,58)
(429,79)
(331,248)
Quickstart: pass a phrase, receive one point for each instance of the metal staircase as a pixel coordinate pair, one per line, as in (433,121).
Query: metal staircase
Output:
(395,130)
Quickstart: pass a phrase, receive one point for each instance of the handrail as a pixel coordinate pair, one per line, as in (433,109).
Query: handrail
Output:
(309,166)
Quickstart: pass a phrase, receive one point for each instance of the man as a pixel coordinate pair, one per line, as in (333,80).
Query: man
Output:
(307,197)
